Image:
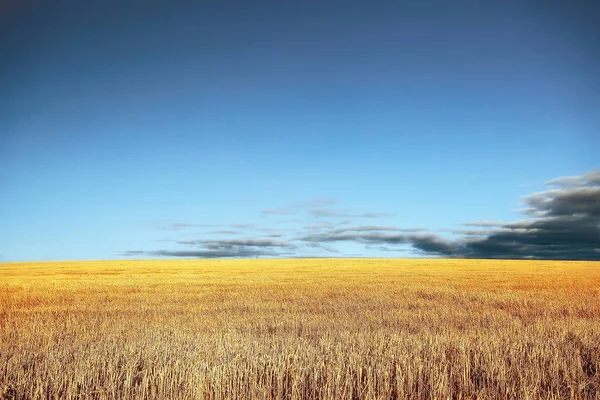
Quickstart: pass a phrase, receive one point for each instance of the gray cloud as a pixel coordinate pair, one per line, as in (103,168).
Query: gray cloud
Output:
(225,232)
(566,181)
(223,248)
(329,213)
(433,244)
(591,178)
(276,234)
(484,223)
(361,237)
(562,222)
(369,228)
(567,202)
(321,247)
(320,207)
(428,243)
(468,232)
(367,234)
(565,224)
(225,253)
(230,243)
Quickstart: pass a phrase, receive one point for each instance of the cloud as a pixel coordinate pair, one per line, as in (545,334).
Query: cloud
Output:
(566,181)
(290,221)
(225,253)
(469,232)
(374,215)
(562,222)
(361,237)
(242,226)
(564,225)
(320,247)
(368,228)
(433,244)
(484,223)
(223,248)
(177,226)
(320,207)
(225,232)
(321,225)
(300,207)
(367,234)
(429,243)
(230,243)
(329,213)
(320,212)
(591,178)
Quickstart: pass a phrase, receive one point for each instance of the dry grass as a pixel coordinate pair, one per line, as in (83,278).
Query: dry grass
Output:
(300,329)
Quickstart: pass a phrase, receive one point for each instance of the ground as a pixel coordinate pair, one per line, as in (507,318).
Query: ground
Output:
(300,329)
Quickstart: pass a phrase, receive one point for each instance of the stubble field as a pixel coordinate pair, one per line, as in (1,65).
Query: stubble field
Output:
(300,329)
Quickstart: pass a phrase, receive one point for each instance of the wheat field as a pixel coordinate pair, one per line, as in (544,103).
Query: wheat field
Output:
(300,329)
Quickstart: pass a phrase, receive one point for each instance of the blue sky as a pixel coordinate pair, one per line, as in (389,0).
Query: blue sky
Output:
(149,131)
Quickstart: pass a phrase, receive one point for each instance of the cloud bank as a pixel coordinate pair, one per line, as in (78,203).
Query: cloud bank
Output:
(562,223)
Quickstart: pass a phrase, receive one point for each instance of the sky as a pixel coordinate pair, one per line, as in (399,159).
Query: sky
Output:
(154,129)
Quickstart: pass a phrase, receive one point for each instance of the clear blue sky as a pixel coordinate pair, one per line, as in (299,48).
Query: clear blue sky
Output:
(129,127)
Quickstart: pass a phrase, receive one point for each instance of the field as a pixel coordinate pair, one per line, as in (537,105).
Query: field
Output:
(300,329)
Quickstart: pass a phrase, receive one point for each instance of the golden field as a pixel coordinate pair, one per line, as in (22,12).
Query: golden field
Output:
(300,329)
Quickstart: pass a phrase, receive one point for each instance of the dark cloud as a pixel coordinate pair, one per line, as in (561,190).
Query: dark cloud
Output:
(564,225)
(428,243)
(566,202)
(224,248)
(328,213)
(433,244)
